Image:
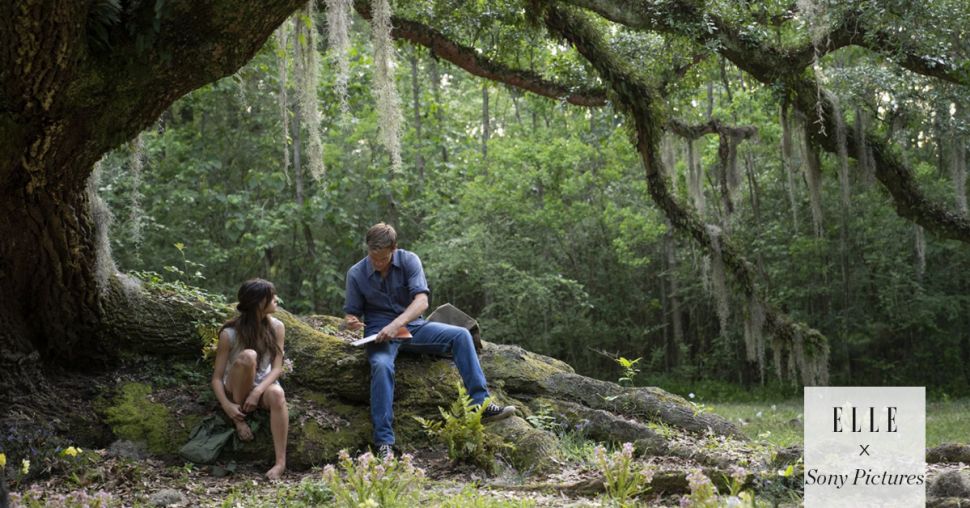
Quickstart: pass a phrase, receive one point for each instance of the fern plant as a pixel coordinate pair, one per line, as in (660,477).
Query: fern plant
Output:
(630,370)
(462,430)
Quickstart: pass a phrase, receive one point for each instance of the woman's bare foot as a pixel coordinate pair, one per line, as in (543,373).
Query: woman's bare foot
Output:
(275,472)
(243,431)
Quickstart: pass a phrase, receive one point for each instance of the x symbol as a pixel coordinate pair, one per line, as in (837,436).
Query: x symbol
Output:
(865,450)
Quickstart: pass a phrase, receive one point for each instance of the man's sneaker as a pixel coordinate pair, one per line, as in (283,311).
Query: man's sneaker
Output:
(385,451)
(494,412)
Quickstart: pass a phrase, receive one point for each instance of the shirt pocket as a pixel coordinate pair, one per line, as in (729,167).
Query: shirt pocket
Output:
(402,294)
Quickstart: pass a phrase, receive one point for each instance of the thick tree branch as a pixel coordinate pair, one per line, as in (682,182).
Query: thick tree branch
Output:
(65,103)
(771,66)
(852,31)
(640,101)
(468,59)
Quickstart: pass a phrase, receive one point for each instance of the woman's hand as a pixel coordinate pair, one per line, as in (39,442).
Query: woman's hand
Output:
(234,412)
(252,401)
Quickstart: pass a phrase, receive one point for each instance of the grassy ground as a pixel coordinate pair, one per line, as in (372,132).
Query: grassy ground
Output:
(780,423)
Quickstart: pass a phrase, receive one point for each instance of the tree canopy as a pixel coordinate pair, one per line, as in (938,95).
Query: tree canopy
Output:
(700,183)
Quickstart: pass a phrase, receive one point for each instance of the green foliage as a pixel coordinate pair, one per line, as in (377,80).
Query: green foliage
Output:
(371,482)
(462,430)
(623,478)
(575,446)
(470,497)
(630,370)
(552,239)
(542,418)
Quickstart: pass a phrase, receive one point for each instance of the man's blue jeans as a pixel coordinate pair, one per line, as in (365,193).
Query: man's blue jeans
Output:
(433,338)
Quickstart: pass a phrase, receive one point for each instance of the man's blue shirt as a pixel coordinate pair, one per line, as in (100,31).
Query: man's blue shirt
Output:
(380,300)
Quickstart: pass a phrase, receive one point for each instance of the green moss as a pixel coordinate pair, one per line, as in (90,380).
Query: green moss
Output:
(529,448)
(133,416)
(325,363)
(519,370)
(320,444)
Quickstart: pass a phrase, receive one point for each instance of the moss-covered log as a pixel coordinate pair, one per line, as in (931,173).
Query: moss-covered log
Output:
(328,390)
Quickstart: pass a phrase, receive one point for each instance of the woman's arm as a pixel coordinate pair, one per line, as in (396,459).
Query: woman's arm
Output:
(218,387)
(252,401)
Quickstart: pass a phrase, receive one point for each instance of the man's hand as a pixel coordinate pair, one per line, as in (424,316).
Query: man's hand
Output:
(252,401)
(234,412)
(352,323)
(388,332)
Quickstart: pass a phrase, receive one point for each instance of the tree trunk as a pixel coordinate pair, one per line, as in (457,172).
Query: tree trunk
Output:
(66,101)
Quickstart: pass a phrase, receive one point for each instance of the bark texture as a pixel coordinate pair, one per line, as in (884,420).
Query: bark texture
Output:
(77,79)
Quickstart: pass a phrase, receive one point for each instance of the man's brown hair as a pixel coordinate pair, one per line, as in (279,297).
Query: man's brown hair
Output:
(381,236)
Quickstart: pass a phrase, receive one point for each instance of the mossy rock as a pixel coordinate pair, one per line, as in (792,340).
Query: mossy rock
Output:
(530,449)
(319,429)
(603,426)
(134,416)
(325,363)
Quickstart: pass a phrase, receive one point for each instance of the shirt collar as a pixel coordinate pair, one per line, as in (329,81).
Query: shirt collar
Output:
(395,261)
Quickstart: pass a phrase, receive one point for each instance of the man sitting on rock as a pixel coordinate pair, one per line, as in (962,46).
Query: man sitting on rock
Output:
(388,289)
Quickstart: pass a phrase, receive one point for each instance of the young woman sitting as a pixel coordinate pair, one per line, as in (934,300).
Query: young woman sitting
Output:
(249,361)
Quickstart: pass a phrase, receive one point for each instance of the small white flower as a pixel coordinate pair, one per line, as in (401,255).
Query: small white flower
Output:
(691,395)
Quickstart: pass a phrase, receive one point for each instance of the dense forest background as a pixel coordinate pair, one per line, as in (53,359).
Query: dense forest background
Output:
(534,216)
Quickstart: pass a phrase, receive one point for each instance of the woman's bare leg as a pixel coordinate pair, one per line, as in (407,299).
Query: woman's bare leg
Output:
(274,400)
(241,377)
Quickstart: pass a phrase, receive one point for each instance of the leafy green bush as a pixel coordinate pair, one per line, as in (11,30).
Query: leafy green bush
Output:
(462,430)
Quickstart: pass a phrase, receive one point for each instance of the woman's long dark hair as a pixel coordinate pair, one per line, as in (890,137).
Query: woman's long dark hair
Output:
(251,331)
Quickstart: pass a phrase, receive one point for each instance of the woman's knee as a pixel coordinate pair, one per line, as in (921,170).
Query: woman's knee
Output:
(275,397)
(246,358)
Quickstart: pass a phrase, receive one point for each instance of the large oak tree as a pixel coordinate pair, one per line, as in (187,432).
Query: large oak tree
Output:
(81,77)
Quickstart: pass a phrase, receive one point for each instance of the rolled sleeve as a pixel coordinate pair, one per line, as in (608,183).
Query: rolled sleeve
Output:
(353,298)
(417,283)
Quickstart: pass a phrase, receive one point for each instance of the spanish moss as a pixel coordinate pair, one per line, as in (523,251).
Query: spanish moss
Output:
(843,151)
(282,40)
(695,182)
(385,89)
(338,42)
(863,156)
(754,338)
(788,162)
(102,218)
(813,177)
(309,77)
(718,279)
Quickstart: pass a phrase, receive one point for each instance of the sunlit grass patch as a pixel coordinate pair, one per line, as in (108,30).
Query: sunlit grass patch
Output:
(780,423)
(948,422)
